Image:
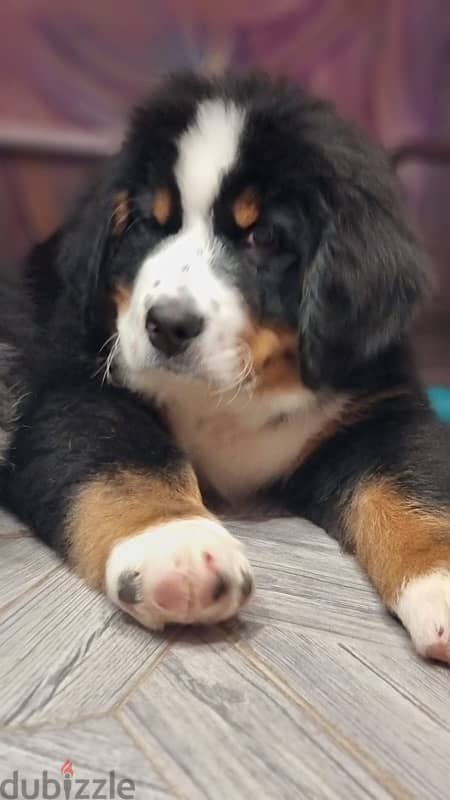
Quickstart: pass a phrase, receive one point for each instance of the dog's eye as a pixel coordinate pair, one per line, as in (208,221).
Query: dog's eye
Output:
(262,236)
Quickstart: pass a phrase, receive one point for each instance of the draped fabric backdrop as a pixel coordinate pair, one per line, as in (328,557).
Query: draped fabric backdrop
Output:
(70,70)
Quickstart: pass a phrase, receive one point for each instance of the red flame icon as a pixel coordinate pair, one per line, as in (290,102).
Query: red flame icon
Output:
(67,769)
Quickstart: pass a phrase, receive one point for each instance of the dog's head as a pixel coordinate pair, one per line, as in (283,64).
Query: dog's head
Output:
(244,233)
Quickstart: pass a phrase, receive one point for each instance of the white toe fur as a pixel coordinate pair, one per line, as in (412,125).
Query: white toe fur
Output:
(424,609)
(178,548)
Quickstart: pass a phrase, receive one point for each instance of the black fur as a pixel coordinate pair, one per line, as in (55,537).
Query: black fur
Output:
(73,435)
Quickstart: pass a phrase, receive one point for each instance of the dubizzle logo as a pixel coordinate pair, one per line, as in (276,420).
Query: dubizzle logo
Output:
(67,768)
(46,787)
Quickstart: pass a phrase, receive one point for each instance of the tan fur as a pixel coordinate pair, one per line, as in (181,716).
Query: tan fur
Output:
(246,209)
(162,206)
(274,355)
(121,212)
(394,538)
(121,297)
(112,508)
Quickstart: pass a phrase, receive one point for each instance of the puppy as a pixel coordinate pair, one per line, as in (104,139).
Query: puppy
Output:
(227,312)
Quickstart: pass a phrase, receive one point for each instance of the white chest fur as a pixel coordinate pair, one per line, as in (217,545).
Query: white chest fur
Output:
(236,445)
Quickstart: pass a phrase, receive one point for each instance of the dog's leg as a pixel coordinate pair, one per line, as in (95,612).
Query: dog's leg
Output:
(98,478)
(151,544)
(405,549)
(381,486)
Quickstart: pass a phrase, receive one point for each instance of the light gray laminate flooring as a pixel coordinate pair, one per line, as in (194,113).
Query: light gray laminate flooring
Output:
(313,693)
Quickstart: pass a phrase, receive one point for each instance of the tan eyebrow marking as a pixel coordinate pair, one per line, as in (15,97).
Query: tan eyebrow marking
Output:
(161,206)
(121,212)
(246,209)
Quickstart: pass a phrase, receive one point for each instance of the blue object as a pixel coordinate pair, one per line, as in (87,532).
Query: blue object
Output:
(440,400)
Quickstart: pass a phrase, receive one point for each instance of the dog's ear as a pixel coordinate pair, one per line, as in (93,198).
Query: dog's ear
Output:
(363,283)
(84,246)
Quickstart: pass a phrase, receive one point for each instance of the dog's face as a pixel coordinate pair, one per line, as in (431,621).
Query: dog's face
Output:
(246,236)
(210,244)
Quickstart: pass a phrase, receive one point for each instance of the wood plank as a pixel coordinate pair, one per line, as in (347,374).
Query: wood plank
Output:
(23,562)
(11,526)
(383,714)
(303,578)
(95,748)
(424,684)
(220,729)
(65,651)
(316,694)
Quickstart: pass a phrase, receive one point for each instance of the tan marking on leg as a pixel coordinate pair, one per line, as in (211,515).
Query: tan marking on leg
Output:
(395,538)
(121,213)
(246,209)
(111,508)
(162,206)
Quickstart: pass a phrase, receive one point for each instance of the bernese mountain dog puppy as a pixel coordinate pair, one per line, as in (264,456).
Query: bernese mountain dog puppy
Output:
(226,314)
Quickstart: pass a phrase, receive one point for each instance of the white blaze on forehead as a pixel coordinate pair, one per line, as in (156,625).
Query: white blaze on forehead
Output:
(206,152)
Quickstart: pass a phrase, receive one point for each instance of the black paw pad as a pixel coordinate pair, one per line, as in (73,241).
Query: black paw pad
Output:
(220,588)
(247,584)
(129,589)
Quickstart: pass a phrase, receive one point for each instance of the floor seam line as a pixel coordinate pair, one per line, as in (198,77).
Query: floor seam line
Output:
(143,748)
(162,651)
(385,778)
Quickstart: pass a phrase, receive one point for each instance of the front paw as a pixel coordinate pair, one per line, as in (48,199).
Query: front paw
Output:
(424,609)
(185,571)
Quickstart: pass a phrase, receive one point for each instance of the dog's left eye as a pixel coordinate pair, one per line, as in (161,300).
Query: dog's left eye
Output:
(262,236)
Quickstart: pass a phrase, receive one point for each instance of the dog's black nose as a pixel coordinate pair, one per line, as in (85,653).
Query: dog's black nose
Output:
(172,324)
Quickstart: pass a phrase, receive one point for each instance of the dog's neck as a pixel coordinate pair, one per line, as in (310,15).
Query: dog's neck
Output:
(237,443)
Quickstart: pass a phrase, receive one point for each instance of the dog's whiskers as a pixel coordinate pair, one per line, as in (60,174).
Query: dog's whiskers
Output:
(110,339)
(243,355)
(109,361)
(106,364)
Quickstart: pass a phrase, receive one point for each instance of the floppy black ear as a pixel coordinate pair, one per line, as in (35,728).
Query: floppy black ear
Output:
(83,249)
(362,286)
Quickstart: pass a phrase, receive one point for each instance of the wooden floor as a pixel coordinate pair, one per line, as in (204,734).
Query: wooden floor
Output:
(314,693)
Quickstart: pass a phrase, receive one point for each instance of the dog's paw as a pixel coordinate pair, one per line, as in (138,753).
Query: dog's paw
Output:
(424,609)
(185,571)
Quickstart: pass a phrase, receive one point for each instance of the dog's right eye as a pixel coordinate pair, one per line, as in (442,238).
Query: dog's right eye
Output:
(263,237)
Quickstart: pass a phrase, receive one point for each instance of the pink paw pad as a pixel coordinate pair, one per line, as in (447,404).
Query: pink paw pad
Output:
(440,650)
(172,592)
